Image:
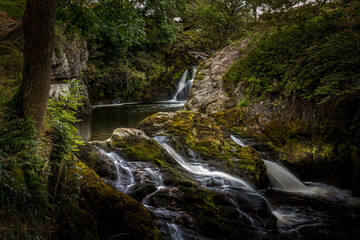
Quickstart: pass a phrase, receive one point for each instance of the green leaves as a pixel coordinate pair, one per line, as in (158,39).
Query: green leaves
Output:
(316,60)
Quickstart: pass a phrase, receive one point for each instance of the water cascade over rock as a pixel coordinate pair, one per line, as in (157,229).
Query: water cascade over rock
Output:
(184,86)
(187,197)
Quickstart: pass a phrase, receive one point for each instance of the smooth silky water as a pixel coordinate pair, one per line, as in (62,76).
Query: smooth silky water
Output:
(307,207)
(303,210)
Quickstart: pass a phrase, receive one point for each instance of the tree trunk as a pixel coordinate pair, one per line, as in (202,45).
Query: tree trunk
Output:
(39,21)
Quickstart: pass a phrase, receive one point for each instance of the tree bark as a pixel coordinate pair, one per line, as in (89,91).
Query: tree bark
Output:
(39,18)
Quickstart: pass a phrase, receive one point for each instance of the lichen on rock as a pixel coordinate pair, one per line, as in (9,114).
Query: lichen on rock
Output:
(201,134)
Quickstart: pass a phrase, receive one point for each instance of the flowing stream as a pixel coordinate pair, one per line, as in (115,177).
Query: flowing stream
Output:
(291,218)
(304,210)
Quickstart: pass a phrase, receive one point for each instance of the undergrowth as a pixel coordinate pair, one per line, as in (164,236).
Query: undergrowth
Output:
(34,174)
(316,57)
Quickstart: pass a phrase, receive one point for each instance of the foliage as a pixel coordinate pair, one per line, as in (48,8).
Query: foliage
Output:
(60,119)
(28,168)
(11,9)
(317,59)
(217,21)
(23,189)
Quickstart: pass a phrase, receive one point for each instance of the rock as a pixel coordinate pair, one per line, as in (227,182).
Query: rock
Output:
(11,31)
(69,58)
(116,214)
(97,161)
(208,94)
(68,61)
(78,224)
(140,191)
(61,89)
(211,213)
(201,134)
(134,145)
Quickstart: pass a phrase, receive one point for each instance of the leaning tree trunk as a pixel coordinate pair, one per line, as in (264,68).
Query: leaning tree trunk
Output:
(39,20)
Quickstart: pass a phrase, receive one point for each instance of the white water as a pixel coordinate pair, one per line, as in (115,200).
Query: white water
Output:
(283,180)
(238,141)
(202,170)
(181,84)
(126,178)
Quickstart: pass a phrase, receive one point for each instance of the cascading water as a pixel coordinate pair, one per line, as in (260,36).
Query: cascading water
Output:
(290,219)
(293,218)
(236,188)
(282,179)
(237,141)
(181,84)
(129,174)
(183,88)
(125,174)
(201,170)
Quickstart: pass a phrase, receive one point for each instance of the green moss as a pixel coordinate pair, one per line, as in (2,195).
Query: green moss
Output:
(204,136)
(230,119)
(15,8)
(115,212)
(139,149)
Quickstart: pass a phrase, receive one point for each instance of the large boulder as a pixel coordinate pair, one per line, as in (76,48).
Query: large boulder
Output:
(96,160)
(202,135)
(183,199)
(117,215)
(208,94)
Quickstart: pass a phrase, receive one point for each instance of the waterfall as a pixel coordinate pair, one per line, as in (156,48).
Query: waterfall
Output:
(236,189)
(181,84)
(238,141)
(283,180)
(126,181)
(183,88)
(126,178)
(202,170)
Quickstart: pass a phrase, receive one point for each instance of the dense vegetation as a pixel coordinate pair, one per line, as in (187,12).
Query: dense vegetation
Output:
(315,55)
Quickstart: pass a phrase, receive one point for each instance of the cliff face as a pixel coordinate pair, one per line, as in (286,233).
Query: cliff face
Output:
(69,60)
(208,94)
(321,142)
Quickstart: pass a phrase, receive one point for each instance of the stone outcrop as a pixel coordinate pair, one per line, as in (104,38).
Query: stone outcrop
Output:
(208,93)
(205,137)
(69,60)
(204,213)
(318,141)
(112,212)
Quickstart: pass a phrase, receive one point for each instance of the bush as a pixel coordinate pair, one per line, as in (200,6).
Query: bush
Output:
(317,60)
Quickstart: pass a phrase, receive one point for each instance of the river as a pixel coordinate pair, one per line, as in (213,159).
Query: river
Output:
(303,210)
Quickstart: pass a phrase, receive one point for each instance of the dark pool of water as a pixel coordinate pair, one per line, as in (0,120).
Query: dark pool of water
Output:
(104,119)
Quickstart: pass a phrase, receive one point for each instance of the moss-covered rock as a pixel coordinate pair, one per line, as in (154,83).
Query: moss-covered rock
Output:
(201,134)
(212,214)
(98,162)
(118,216)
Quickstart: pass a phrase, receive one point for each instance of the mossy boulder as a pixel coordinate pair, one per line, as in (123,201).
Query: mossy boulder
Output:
(134,145)
(118,216)
(212,214)
(201,134)
(97,161)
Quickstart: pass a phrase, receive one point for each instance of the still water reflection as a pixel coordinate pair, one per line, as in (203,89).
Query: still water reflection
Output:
(104,119)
